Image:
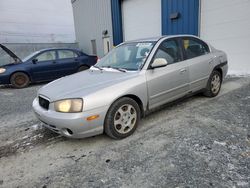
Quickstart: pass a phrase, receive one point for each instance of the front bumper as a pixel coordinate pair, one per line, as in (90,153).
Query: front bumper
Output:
(72,125)
(4,79)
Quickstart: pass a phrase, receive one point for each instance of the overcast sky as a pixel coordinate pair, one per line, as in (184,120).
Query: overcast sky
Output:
(36,21)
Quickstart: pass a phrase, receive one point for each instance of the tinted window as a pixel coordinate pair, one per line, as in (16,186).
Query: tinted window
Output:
(170,51)
(47,56)
(64,54)
(194,48)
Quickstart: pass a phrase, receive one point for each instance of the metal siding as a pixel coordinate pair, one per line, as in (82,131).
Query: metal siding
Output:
(135,25)
(91,18)
(188,21)
(226,25)
(117,21)
(164,11)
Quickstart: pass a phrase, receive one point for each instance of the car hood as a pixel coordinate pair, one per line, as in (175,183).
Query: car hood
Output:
(83,83)
(11,54)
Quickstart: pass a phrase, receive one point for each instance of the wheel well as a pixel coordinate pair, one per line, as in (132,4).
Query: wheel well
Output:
(85,65)
(220,71)
(22,72)
(138,101)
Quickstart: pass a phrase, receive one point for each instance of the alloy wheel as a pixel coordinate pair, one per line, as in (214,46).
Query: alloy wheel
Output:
(125,119)
(215,83)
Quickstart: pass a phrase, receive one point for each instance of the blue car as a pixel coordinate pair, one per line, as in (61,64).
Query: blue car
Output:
(43,65)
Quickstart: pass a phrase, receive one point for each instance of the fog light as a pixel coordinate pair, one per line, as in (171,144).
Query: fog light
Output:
(67,132)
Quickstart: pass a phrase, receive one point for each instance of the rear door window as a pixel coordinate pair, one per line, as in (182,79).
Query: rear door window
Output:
(194,48)
(65,54)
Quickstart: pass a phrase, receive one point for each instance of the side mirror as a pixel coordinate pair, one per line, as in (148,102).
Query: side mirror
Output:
(34,61)
(159,62)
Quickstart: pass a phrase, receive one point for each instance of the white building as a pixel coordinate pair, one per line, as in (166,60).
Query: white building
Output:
(225,24)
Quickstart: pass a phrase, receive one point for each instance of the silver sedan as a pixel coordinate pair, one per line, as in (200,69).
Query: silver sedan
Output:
(134,78)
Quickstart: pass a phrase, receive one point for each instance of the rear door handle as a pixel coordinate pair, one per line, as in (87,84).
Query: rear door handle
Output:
(183,71)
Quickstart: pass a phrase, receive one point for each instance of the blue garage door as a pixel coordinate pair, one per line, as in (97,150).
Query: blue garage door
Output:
(180,17)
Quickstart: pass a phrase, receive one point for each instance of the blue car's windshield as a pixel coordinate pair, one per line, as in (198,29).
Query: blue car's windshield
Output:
(129,56)
(30,56)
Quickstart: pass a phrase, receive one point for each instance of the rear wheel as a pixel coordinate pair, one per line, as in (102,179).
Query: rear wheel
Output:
(83,68)
(122,118)
(19,80)
(214,84)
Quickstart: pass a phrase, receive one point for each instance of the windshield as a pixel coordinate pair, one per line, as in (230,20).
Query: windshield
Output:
(29,56)
(128,56)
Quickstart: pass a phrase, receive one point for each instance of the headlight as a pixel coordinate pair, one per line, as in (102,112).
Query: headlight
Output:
(2,70)
(69,105)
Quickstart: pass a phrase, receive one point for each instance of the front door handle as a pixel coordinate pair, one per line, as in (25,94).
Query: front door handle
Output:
(183,71)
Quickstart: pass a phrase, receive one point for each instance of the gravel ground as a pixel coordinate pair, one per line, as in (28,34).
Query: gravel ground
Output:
(195,142)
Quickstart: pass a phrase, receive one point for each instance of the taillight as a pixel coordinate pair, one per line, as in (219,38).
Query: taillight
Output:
(97,59)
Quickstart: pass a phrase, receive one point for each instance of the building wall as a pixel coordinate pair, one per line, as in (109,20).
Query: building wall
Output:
(33,21)
(226,25)
(223,23)
(141,19)
(91,18)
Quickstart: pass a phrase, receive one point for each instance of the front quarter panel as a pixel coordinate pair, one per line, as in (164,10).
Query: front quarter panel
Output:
(11,69)
(105,97)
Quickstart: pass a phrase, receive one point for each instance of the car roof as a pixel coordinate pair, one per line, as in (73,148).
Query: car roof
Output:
(45,49)
(48,49)
(155,39)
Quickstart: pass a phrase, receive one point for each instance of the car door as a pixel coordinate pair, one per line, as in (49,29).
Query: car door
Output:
(67,62)
(167,83)
(200,61)
(43,66)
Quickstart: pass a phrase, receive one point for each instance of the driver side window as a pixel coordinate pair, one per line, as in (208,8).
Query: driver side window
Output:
(46,56)
(170,51)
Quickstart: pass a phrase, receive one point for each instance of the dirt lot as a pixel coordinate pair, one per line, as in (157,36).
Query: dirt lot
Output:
(197,142)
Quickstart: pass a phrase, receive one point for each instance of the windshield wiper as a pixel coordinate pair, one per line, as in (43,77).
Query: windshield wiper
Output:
(116,68)
(98,67)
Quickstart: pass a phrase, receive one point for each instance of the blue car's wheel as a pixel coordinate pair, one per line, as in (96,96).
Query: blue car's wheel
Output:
(19,80)
(83,68)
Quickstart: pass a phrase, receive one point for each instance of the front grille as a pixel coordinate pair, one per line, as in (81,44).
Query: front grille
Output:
(44,103)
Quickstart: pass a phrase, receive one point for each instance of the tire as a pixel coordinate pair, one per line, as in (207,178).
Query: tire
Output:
(214,84)
(120,122)
(19,80)
(82,68)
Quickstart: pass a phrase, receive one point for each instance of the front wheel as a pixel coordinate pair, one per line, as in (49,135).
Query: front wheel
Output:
(19,80)
(122,118)
(214,84)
